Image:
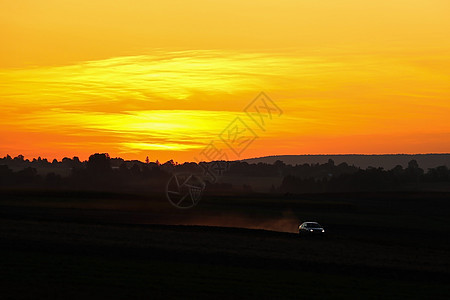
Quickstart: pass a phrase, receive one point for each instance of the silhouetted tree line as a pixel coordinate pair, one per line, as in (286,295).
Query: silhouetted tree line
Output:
(370,179)
(280,169)
(101,172)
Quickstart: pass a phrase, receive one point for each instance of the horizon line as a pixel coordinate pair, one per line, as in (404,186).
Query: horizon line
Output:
(244,159)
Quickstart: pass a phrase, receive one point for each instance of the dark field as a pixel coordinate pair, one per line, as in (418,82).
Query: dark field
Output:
(74,245)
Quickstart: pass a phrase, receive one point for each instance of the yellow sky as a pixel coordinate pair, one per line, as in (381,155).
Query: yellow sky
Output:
(166,78)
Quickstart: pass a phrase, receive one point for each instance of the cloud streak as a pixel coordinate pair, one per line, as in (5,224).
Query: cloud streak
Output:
(168,101)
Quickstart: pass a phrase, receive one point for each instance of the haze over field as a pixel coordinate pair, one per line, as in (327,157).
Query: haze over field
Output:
(164,79)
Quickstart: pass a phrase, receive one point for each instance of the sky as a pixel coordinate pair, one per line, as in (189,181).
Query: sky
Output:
(182,80)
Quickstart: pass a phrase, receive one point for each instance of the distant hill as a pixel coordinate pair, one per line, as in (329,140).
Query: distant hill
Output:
(386,161)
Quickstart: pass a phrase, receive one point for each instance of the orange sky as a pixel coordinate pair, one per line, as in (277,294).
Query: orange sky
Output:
(167,78)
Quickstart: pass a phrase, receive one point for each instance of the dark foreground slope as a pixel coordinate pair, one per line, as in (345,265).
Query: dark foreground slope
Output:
(74,247)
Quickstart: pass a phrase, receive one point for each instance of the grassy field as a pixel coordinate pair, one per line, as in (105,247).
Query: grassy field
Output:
(88,245)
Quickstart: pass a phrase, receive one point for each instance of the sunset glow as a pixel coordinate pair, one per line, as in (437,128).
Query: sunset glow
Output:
(164,79)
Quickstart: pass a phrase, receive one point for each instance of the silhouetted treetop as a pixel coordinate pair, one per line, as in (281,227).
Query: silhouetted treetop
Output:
(99,163)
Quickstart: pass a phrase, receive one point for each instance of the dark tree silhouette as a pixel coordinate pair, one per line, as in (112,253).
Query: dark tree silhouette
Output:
(99,163)
(101,172)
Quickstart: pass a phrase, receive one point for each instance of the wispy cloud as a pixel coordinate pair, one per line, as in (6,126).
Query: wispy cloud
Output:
(167,101)
(161,76)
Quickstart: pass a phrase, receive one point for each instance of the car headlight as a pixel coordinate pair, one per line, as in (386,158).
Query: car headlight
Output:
(323,230)
(311,230)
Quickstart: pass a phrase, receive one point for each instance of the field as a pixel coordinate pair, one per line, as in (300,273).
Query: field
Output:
(76,245)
